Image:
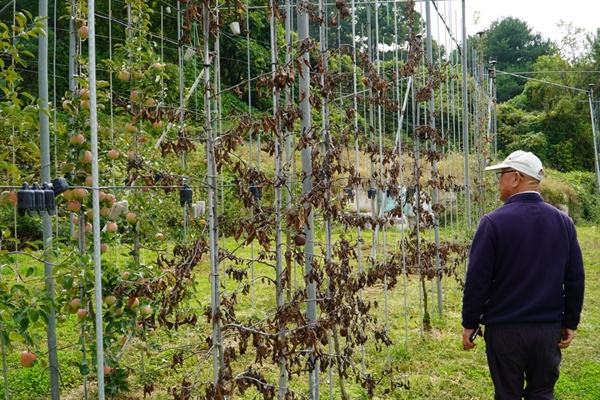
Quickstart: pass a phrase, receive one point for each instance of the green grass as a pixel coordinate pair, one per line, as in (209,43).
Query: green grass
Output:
(431,362)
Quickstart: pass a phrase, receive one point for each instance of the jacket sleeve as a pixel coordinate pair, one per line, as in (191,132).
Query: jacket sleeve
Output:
(478,282)
(574,283)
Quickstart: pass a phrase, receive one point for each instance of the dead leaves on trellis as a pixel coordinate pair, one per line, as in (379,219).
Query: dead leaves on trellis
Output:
(286,332)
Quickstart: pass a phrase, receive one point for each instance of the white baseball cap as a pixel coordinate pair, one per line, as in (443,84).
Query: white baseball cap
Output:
(525,162)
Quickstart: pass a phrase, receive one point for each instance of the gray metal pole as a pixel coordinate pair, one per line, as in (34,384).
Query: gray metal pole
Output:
(591,100)
(434,163)
(279,274)
(465,116)
(96,200)
(213,201)
(46,218)
(309,250)
(72,49)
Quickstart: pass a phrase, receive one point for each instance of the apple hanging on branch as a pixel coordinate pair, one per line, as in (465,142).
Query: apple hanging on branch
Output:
(83,32)
(123,76)
(131,217)
(27,358)
(113,154)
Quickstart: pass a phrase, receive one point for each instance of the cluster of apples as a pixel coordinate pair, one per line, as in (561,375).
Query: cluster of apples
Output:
(72,107)
(138,96)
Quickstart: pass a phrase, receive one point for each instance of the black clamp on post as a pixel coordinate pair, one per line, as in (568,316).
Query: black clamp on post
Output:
(349,192)
(39,201)
(371,193)
(49,204)
(25,200)
(185,195)
(255,190)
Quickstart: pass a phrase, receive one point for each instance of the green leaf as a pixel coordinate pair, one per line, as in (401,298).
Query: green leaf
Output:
(24,324)
(33,315)
(84,368)
(5,338)
(67,282)
(28,339)
(19,288)
(31,146)
(44,316)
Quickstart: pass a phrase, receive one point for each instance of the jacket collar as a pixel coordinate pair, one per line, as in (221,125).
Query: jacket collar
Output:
(529,196)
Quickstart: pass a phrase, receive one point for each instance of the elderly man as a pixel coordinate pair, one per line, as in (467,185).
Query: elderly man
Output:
(525,283)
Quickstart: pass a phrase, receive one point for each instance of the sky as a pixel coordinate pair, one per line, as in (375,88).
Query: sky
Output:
(541,15)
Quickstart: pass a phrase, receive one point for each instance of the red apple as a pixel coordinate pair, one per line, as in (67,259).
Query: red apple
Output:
(114,310)
(77,140)
(103,247)
(131,217)
(104,211)
(107,369)
(159,236)
(126,275)
(75,303)
(149,102)
(27,358)
(136,96)
(67,167)
(110,198)
(112,227)
(101,195)
(79,193)
(82,313)
(84,94)
(84,104)
(129,127)
(85,157)
(138,75)
(110,300)
(157,124)
(124,76)
(83,32)
(74,206)
(113,154)
(88,180)
(142,139)
(68,194)
(158,66)
(67,105)
(145,309)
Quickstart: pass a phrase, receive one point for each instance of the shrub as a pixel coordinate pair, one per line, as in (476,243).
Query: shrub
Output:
(576,190)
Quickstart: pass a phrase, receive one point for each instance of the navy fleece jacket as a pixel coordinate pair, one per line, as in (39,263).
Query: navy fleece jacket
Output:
(525,265)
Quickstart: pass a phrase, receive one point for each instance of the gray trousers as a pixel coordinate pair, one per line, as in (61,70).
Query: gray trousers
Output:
(524,359)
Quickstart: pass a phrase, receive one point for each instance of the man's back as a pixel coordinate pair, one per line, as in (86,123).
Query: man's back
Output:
(522,253)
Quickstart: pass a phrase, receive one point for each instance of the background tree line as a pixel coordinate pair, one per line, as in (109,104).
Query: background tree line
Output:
(540,110)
